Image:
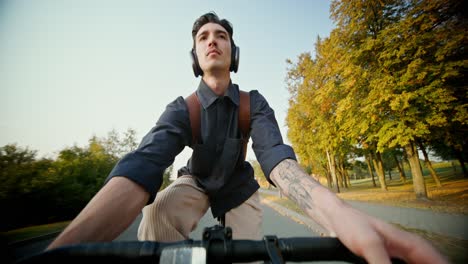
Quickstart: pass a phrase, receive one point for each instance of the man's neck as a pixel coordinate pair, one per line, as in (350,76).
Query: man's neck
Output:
(218,84)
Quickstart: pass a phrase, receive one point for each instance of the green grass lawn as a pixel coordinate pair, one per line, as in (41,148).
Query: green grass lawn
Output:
(33,231)
(452,197)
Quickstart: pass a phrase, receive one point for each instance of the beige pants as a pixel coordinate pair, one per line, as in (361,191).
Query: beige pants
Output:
(177,210)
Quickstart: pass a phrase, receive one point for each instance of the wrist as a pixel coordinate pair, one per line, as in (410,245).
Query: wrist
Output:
(330,207)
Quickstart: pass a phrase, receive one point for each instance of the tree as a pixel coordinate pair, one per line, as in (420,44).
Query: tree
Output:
(391,74)
(403,71)
(379,168)
(259,176)
(118,145)
(369,168)
(167,178)
(418,180)
(37,191)
(81,172)
(25,193)
(388,162)
(129,141)
(16,169)
(398,158)
(429,164)
(314,96)
(449,152)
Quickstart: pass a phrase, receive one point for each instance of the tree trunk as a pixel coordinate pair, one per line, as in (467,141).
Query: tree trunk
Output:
(347,178)
(338,174)
(330,179)
(460,159)
(402,165)
(405,159)
(369,167)
(400,169)
(327,174)
(343,173)
(378,165)
(429,165)
(418,180)
(331,163)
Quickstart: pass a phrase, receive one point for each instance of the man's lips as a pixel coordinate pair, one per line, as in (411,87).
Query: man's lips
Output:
(213,51)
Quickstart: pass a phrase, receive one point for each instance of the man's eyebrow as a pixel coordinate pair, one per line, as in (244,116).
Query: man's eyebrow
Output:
(217,32)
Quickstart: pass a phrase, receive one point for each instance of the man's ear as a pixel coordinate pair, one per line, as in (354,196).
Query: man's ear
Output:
(235,53)
(197,71)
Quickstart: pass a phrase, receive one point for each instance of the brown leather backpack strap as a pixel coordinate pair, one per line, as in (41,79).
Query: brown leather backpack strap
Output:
(244,119)
(193,104)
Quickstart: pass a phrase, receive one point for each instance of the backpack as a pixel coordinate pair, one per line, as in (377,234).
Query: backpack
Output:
(193,104)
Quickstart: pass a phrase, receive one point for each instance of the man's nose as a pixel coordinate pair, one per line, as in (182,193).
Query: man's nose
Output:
(212,42)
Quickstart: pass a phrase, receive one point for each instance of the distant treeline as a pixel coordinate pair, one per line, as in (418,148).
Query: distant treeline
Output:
(43,190)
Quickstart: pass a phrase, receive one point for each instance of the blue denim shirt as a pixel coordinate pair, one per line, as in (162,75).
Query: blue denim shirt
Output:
(216,161)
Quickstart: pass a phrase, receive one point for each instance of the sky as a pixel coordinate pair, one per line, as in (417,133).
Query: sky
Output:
(70,70)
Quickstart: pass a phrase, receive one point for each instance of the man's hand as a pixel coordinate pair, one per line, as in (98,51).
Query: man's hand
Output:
(366,236)
(377,241)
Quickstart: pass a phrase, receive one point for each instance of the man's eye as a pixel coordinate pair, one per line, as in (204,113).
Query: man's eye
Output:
(222,36)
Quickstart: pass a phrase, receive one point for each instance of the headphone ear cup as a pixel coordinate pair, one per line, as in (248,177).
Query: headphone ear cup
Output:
(235,59)
(197,71)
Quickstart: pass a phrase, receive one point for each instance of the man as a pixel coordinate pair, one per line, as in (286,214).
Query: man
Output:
(216,176)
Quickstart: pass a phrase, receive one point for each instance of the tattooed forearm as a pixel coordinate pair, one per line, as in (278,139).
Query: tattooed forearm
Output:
(294,183)
(317,201)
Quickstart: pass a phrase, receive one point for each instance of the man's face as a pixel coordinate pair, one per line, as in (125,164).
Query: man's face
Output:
(213,48)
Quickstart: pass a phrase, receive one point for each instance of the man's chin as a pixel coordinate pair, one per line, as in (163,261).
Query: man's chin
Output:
(216,68)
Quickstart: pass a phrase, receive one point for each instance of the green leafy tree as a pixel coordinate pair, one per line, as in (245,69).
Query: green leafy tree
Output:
(16,167)
(259,175)
(167,178)
(403,69)
(313,85)
(26,184)
(426,64)
(428,164)
(390,75)
(449,152)
(37,191)
(118,145)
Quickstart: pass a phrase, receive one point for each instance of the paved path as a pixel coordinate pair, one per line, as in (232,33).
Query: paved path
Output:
(273,224)
(454,225)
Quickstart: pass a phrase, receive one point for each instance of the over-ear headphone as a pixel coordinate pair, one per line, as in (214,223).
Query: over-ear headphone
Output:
(233,67)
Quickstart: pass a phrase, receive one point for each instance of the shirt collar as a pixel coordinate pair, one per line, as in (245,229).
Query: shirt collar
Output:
(208,97)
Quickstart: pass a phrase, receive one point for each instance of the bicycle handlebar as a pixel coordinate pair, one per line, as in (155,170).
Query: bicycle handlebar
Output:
(218,250)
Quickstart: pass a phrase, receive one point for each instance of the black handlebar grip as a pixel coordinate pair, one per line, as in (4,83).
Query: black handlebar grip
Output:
(292,249)
(115,252)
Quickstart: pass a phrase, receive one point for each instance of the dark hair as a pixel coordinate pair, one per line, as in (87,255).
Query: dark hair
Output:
(211,17)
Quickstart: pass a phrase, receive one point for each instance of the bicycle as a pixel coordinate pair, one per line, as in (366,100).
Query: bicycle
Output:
(216,246)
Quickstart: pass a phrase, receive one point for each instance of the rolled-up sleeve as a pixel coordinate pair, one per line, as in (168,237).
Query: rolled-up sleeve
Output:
(267,140)
(157,150)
